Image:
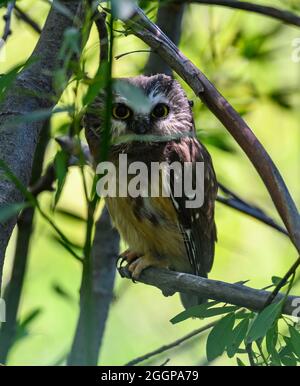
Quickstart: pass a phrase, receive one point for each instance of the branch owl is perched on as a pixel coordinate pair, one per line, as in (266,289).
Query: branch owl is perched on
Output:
(160,231)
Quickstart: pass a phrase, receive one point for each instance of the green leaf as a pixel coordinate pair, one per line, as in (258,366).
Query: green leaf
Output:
(3,3)
(275,359)
(240,362)
(264,321)
(61,169)
(122,9)
(11,210)
(98,83)
(15,180)
(295,340)
(219,337)
(271,340)
(70,215)
(219,140)
(38,115)
(202,311)
(30,317)
(72,39)
(64,294)
(276,280)
(286,355)
(238,335)
(30,198)
(243,314)
(134,95)
(22,326)
(6,80)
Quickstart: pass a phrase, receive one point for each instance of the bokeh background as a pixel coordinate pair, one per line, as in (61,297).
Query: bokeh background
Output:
(249,59)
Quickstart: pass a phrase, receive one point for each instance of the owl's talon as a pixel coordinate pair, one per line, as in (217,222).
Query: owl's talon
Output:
(117,262)
(143,262)
(120,260)
(120,265)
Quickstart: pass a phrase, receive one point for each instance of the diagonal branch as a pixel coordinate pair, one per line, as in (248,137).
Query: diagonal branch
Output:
(27,19)
(235,202)
(169,346)
(147,31)
(237,294)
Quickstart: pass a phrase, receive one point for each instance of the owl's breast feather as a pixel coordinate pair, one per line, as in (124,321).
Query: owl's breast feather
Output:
(150,225)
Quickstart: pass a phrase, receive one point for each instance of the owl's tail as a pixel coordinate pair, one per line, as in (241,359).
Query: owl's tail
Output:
(189,301)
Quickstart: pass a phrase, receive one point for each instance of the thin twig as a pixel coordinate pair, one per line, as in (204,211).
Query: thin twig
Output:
(283,281)
(75,150)
(169,346)
(7,20)
(275,13)
(250,354)
(27,19)
(236,202)
(131,52)
(100,21)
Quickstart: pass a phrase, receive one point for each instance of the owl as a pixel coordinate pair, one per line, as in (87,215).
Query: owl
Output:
(152,121)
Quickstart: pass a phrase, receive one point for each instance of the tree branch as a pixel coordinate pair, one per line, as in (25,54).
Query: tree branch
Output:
(32,91)
(105,251)
(275,13)
(147,31)
(169,346)
(235,202)
(100,21)
(283,281)
(27,19)
(13,291)
(7,20)
(237,294)
(169,20)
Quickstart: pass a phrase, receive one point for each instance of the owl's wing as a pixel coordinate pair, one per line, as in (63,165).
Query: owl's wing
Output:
(197,224)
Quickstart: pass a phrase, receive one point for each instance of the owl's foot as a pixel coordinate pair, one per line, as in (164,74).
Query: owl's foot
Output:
(139,264)
(128,256)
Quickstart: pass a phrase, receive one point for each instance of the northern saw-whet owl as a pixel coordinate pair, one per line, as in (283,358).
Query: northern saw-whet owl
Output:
(160,231)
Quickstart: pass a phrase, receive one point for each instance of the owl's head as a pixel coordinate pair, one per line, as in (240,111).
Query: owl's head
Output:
(154,107)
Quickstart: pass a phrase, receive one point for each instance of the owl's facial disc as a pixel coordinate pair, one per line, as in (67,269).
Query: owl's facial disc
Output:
(151,106)
(126,120)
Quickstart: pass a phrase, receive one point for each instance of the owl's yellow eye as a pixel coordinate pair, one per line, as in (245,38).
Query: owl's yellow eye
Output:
(121,111)
(160,111)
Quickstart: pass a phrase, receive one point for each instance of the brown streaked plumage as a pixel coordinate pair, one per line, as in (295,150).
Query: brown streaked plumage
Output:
(160,231)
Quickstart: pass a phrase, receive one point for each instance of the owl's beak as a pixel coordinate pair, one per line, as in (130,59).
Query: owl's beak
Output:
(141,125)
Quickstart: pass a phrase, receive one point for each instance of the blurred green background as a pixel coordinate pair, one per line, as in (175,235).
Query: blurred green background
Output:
(249,59)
